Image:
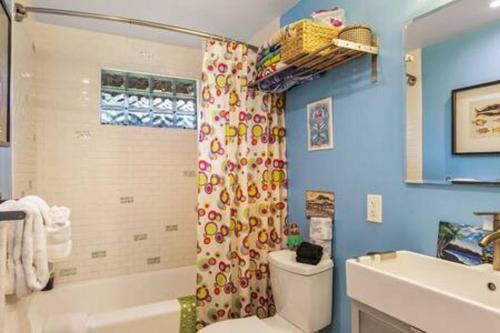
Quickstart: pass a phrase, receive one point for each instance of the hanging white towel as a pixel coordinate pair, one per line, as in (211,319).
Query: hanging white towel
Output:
(3,272)
(34,247)
(14,233)
(6,277)
(43,207)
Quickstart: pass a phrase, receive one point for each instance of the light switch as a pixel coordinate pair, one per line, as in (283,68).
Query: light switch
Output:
(374,208)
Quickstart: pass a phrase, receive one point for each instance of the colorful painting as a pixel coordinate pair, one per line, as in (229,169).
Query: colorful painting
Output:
(460,243)
(320,204)
(476,119)
(4,74)
(320,125)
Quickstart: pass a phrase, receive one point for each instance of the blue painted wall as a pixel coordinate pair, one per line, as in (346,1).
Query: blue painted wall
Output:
(369,153)
(466,60)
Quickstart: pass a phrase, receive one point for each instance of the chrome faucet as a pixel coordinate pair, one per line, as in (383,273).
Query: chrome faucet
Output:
(492,237)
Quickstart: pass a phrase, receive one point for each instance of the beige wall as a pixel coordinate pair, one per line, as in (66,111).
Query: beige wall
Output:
(91,168)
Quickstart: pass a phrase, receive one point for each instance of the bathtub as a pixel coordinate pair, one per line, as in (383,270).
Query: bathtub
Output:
(144,302)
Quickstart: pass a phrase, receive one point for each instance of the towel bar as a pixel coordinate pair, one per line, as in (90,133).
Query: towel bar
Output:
(12,216)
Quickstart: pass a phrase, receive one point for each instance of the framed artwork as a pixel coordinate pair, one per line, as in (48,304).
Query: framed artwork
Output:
(4,74)
(320,204)
(476,119)
(320,125)
(459,243)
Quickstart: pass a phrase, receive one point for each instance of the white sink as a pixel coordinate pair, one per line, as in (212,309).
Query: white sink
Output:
(434,295)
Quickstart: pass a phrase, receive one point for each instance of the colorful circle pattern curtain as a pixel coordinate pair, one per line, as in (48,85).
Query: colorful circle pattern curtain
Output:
(242,202)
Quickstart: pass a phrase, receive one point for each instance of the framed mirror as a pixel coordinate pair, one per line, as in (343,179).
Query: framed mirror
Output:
(452,85)
(5,29)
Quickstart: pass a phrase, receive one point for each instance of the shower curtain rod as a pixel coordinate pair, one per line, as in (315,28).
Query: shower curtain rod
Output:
(21,12)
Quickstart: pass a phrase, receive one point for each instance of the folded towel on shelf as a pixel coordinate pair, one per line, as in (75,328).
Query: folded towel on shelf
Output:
(265,53)
(275,39)
(270,59)
(274,42)
(308,253)
(270,70)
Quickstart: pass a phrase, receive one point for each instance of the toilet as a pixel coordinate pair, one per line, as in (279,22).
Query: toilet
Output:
(303,297)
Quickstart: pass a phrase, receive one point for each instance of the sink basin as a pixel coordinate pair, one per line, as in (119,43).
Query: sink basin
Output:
(429,293)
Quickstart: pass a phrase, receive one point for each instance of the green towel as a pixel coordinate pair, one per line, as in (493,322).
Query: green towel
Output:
(188,314)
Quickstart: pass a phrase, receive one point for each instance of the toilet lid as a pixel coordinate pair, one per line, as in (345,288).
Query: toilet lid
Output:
(245,325)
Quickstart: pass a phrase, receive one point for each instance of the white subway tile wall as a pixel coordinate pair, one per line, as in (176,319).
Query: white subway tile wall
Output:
(126,186)
(24,118)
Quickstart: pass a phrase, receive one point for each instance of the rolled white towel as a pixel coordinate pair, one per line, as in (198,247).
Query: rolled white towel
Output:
(59,252)
(76,322)
(59,214)
(59,233)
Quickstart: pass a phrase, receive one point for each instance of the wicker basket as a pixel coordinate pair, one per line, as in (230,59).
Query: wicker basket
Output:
(361,34)
(306,37)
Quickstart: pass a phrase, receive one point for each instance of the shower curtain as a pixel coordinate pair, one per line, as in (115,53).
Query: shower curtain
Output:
(242,188)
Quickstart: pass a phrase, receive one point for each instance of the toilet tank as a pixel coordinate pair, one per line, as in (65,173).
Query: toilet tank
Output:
(302,293)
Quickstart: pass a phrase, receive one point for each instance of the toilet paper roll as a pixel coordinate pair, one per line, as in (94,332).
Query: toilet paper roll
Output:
(326,245)
(320,228)
(58,233)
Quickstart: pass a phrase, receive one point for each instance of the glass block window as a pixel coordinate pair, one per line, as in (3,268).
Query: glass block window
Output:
(135,99)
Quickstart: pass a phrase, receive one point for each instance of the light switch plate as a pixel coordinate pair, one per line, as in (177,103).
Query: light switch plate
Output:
(374,208)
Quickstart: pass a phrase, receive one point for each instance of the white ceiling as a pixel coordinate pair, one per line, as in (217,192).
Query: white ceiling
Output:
(455,18)
(238,19)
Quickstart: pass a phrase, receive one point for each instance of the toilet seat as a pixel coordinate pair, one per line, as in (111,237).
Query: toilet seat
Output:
(253,324)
